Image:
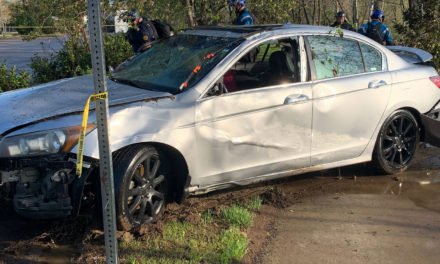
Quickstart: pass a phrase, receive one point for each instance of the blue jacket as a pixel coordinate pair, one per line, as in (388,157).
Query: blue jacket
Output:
(386,33)
(244,18)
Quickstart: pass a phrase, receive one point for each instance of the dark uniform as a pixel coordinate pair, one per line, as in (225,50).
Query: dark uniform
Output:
(244,17)
(383,30)
(141,35)
(344,25)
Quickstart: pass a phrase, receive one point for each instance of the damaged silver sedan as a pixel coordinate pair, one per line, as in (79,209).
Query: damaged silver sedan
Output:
(217,107)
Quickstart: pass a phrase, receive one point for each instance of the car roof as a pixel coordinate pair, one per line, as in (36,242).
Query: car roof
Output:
(248,31)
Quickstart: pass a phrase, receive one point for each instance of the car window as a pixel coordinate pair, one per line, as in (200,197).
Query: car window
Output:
(372,58)
(334,56)
(174,62)
(408,56)
(271,63)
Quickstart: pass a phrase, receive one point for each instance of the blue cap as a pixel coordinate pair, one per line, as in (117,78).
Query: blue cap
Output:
(234,2)
(377,14)
(132,13)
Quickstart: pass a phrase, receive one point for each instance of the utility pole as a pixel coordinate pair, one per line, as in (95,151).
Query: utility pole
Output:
(102,114)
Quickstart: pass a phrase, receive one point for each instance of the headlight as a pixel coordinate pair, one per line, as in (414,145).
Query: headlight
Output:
(41,143)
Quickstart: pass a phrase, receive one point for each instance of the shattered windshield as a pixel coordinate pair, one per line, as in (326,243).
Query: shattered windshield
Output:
(175,63)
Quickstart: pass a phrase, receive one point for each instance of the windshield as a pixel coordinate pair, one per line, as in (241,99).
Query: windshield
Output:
(176,62)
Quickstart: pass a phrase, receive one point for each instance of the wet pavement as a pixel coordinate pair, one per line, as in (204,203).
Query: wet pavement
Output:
(352,216)
(14,51)
(356,228)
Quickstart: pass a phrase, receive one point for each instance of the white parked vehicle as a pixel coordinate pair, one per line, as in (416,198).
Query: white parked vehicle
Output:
(215,107)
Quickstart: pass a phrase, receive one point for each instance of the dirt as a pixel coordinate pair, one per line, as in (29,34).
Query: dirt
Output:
(80,240)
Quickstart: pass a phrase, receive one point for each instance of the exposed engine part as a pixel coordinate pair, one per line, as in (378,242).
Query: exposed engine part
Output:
(23,175)
(43,193)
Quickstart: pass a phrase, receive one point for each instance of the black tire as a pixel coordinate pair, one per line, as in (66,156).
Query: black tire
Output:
(396,143)
(140,186)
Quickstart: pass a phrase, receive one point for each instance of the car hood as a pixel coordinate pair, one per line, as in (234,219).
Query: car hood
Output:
(26,106)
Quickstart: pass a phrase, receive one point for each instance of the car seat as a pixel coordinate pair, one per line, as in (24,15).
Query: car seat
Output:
(279,68)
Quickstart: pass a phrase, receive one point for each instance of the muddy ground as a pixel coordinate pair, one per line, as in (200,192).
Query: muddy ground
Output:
(346,215)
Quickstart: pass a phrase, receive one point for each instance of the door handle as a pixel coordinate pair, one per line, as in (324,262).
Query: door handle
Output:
(295,98)
(376,84)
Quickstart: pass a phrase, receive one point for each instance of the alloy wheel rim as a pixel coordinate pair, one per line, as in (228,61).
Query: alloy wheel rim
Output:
(145,198)
(399,141)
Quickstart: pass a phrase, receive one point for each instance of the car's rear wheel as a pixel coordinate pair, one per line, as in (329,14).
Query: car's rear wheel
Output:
(396,143)
(140,186)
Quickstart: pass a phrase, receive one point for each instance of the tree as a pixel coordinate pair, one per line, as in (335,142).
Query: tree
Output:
(4,15)
(421,27)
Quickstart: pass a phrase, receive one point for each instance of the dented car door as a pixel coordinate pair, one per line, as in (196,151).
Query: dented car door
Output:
(350,96)
(253,131)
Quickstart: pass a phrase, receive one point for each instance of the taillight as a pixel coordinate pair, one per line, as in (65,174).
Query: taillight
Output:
(435,80)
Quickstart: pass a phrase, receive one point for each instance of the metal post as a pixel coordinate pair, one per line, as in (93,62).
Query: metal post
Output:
(105,158)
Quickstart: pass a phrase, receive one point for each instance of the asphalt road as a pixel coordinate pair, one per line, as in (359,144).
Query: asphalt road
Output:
(14,51)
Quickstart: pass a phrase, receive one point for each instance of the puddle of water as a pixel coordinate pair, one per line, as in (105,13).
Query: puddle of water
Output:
(422,177)
(57,255)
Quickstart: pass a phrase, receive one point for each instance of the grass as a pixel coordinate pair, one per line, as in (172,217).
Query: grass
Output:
(238,216)
(235,245)
(207,241)
(254,204)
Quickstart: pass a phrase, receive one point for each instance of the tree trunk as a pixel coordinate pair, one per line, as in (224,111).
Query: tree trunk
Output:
(355,13)
(319,12)
(305,12)
(190,12)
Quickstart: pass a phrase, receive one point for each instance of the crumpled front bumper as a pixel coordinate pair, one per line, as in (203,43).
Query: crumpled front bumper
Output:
(431,127)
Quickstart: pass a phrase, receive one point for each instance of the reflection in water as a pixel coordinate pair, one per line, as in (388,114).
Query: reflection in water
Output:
(394,188)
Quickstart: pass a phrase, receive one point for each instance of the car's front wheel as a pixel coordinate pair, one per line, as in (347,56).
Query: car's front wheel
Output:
(140,185)
(396,143)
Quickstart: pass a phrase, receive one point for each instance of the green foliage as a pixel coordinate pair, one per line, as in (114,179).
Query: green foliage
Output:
(421,28)
(10,79)
(274,12)
(237,216)
(254,204)
(74,59)
(235,245)
(34,17)
(207,240)
(117,49)
(176,231)
(207,216)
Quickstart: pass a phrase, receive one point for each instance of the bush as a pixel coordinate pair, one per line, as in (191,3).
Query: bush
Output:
(74,59)
(10,79)
(421,28)
(117,49)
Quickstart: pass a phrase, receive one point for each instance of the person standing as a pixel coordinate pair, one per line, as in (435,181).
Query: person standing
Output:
(141,32)
(243,16)
(377,30)
(341,21)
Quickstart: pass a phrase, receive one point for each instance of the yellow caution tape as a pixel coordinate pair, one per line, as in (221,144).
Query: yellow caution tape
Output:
(79,154)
